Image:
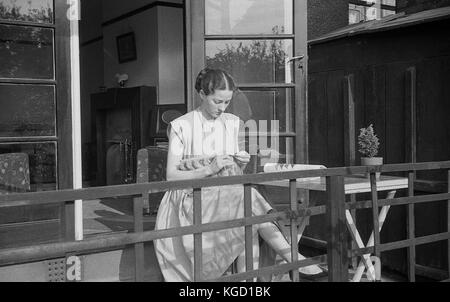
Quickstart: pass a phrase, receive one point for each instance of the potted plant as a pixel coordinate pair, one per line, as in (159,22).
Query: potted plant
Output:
(368,147)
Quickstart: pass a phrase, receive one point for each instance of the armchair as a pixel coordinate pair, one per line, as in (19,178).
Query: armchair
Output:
(151,166)
(14,173)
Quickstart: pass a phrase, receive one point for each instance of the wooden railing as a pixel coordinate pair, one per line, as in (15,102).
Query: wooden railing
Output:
(337,255)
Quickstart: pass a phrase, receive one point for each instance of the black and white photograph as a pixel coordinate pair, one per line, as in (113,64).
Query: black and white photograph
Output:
(257,142)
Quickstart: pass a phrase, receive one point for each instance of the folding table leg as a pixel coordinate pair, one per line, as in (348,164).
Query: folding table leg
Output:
(352,242)
(381,219)
(357,238)
(301,228)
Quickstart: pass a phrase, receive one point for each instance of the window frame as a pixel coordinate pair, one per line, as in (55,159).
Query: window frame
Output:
(195,16)
(63,99)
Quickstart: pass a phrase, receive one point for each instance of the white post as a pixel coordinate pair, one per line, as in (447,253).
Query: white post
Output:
(74,16)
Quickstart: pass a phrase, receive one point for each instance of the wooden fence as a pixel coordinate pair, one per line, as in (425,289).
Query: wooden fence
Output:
(337,256)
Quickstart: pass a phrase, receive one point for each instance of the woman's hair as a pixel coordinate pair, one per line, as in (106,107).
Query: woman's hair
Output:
(210,80)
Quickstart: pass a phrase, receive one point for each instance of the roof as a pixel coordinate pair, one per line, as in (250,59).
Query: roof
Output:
(385,24)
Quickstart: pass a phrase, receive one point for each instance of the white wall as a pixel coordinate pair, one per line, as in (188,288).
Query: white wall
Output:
(91,60)
(159,33)
(91,20)
(115,8)
(143,71)
(171,55)
(91,78)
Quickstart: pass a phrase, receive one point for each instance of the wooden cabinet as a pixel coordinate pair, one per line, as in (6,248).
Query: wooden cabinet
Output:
(120,126)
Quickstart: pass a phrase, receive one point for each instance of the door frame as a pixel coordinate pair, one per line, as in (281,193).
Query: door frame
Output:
(63,83)
(195,61)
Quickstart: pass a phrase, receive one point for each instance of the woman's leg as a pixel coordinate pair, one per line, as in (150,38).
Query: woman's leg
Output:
(272,235)
(240,261)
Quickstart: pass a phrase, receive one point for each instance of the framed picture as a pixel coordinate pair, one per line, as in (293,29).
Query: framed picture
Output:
(161,117)
(126,47)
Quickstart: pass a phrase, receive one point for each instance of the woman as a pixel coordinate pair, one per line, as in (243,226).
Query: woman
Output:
(208,132)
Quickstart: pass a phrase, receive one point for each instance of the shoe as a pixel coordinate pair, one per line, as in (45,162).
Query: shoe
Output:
(313,277)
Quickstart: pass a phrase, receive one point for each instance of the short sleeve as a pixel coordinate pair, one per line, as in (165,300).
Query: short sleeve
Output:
(241,136)
(176,145)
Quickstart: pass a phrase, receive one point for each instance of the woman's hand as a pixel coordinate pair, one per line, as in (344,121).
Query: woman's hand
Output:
(242,158)
(220,162)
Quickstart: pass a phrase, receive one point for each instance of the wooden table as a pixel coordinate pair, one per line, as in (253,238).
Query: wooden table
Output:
(353,185)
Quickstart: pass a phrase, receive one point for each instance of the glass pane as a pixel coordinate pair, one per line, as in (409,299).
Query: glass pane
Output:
(266,106)
(42,164)
(27,110)
(26,52)
(39,11)
(251,61)
(237,17)
(281,152)
(14,177)
(371,13)
(386,12)
(286,151)
(356,14)
(278,150)
(389,2)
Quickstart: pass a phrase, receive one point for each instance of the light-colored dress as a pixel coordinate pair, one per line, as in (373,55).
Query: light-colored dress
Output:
(194,136)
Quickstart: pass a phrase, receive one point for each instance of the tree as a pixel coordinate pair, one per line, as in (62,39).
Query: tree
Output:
(256,61)
(20,45)
(30,13)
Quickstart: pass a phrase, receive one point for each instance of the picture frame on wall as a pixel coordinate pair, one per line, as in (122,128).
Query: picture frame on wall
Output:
(126,47)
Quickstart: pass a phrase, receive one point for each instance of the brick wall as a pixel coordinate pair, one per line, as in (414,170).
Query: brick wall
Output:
(414,6)
(325,16)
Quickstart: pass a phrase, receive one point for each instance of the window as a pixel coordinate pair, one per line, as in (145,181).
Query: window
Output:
(35,115)
(361,11)
(36,11)
(253,41)
(28,87)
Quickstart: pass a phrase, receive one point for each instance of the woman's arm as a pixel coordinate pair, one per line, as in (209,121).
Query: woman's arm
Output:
(173,173)
(175,155)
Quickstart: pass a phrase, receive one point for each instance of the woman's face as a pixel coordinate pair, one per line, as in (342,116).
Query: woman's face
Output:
(216,104)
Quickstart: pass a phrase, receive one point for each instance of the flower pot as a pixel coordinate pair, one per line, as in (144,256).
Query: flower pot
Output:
(372,161)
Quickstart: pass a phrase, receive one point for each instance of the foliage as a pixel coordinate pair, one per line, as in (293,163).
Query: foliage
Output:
(253,60)
(13,11)
(24,44)
(368,142)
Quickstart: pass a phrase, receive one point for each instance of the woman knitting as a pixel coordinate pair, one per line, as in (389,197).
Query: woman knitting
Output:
(204,143)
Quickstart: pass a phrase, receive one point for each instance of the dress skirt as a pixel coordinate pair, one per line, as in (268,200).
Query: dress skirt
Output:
(220,248)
